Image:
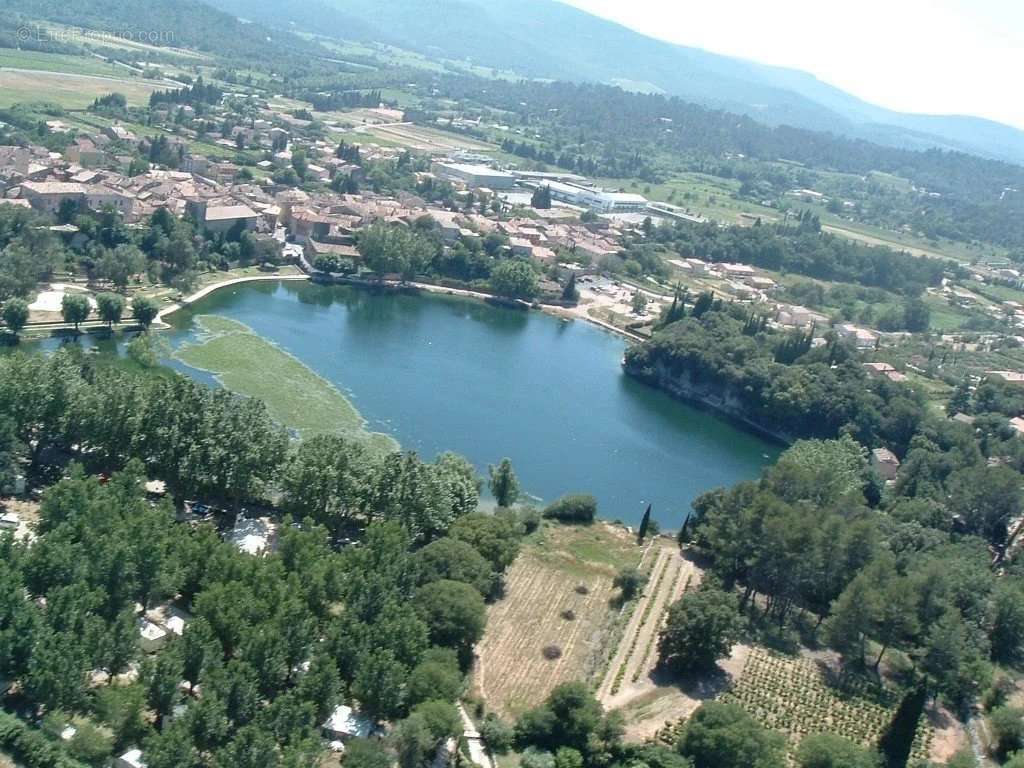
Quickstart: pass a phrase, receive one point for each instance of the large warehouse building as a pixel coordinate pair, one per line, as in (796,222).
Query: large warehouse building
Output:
(475,175)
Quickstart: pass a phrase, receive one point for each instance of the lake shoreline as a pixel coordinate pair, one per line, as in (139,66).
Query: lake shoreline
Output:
(691,397)
(554,310)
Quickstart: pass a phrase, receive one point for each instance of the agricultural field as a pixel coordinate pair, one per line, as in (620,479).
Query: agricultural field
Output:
(422,139)
(560,588)
(295,396)
(798,696)
(58,62)
(629,675)
(71,91)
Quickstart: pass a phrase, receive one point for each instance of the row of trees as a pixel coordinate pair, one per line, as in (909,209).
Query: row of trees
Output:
(411,251)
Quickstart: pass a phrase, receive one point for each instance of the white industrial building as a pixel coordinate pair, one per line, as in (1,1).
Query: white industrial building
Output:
(596,199)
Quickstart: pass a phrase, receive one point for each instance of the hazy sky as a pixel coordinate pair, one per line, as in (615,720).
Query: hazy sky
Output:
(936,56)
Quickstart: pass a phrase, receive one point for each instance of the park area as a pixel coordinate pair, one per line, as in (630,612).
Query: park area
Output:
(558,619)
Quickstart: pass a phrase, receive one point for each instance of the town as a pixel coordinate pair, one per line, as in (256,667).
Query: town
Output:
(432,384)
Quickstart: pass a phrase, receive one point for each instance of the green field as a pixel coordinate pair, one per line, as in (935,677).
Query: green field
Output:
(296,396)
(59,62)
(71,91)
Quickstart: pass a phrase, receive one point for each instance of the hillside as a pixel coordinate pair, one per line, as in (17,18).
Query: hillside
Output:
(172,23)
(547,39)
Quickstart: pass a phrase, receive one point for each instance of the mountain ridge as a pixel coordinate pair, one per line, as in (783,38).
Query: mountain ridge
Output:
(550,39)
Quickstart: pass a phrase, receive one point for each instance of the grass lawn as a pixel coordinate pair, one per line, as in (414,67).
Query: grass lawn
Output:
(294,394)
(944,317)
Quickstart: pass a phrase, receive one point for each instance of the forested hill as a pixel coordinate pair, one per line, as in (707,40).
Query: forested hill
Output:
(174,23)
(552,40)
(628,131)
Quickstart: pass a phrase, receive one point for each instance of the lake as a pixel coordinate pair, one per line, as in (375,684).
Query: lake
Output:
(446,373)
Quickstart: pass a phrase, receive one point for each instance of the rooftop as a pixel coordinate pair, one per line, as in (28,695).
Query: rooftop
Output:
(228,212)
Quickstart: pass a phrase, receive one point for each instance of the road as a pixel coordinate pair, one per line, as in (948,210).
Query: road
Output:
(477,749)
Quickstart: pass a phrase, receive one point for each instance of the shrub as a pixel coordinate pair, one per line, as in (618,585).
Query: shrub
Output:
(551,652)
(574,508)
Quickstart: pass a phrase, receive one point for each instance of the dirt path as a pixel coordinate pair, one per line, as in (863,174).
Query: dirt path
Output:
(628,676)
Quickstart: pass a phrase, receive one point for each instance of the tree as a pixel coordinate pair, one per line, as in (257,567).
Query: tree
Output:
(567,718)
(541,197)
(412,740)
(441,718)
(378,683)
(567,757)
(639,303)
(573,508)
(826,750)
(1007,622)
(453,612)
(570,292)
(1007,727)
(916,316)
(645,523)
(629,581)
(144,310)
(701,628)
(162,676)
(110,307)
(15,315)
(456,560)
(120,264)
(121,707)
(950,663)
(437,676)
(724,736)
(366,753)
(497,734)
(75,308)
(960,399)
(496,537)
(986,498)
(504,484)
(251,747)
(514,279)
(326,479)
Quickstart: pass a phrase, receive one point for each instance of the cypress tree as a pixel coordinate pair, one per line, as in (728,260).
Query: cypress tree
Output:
(645,522)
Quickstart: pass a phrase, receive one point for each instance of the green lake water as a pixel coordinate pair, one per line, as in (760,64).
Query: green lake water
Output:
(444,373)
